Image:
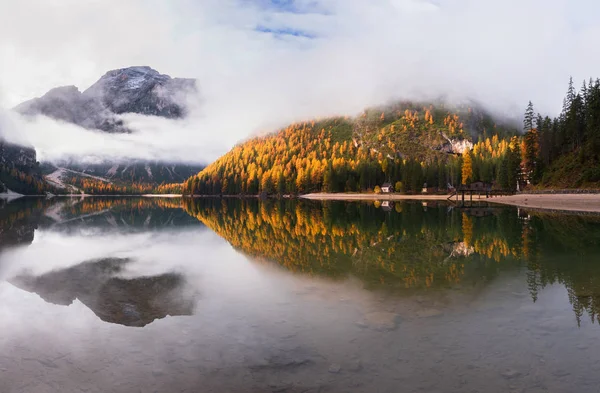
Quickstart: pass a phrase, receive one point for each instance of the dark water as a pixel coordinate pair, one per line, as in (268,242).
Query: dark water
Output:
(171,295)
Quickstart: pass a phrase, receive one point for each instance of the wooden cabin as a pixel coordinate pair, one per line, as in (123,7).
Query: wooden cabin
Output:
(477,186)
(387,188)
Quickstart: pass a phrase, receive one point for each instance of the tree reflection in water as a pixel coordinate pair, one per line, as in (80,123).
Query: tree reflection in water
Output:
(415,246)
(405,247)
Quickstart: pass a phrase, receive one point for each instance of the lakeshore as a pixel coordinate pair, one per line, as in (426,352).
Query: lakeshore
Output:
(589,203)
(567,202)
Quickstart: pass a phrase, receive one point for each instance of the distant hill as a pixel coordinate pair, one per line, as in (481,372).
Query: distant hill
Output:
(123,173)
(406,143)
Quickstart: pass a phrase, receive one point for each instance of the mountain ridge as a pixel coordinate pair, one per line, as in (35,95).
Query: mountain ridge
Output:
(138,89)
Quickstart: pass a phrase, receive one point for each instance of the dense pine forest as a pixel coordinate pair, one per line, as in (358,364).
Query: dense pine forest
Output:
(416,145)
(565,151)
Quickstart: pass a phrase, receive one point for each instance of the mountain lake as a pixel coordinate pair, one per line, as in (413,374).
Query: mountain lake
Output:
(243,295)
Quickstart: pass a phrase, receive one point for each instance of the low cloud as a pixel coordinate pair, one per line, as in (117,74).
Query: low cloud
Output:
(261,64)
(152,138)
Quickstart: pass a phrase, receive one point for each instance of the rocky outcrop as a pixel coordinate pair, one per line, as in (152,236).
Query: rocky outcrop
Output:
(142,90)
(20,157)
(19,170)
(455,146)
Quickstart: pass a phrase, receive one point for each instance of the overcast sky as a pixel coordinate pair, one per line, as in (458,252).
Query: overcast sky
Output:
(263,63)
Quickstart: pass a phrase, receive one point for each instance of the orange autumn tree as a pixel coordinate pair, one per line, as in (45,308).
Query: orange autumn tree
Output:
(467,168)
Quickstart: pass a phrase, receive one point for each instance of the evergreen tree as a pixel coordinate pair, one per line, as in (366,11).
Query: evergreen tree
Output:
(513,165)
(502,176)
(529,117)
(531,142)
(568,101)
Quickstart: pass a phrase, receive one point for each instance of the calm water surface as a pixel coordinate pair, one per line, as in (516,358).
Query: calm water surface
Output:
(171,295)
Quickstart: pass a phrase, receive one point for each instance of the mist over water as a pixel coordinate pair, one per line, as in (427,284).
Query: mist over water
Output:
(109,294)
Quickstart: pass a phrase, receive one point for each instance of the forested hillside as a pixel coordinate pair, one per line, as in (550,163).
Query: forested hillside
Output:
(411,145)
(564,152)
(406,144)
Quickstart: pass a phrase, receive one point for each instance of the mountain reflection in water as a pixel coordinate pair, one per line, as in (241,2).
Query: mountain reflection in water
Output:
(403,247)
(244,295)
(131,302)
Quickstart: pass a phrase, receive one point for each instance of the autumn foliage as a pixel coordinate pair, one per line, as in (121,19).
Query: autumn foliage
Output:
(399,143)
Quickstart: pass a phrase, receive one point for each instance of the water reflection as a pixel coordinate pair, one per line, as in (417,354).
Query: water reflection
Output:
(404,247)
(89,270)
(415,246)
(18,221)
(295,296)
(131,302)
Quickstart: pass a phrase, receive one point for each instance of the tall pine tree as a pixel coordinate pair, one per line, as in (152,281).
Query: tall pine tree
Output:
(528,119)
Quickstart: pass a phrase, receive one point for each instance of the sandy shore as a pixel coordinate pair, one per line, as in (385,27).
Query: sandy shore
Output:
(569,202)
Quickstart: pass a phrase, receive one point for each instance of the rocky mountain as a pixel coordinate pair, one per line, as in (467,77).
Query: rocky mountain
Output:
(140,90)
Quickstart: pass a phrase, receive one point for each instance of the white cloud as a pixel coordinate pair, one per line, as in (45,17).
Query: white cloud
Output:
(502,53)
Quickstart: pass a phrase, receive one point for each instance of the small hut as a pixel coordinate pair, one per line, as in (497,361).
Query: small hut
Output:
(387,188)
